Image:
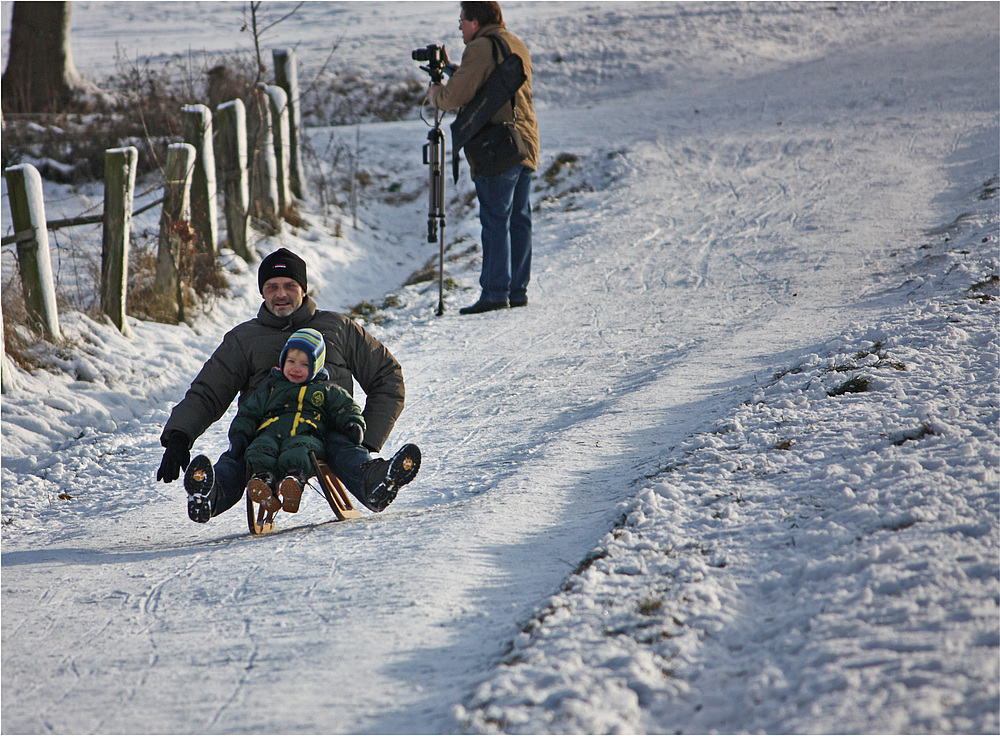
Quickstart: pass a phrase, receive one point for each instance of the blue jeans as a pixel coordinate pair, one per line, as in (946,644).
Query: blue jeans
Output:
(505,215)
(343,456)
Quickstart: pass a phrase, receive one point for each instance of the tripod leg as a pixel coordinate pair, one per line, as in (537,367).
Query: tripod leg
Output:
(434,156)
(441,271)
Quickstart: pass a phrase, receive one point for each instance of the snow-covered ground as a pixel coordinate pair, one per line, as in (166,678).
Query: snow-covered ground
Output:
(734,469)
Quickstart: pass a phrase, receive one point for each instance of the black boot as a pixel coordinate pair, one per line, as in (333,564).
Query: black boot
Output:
(484,306)
(384,478)
(199,481)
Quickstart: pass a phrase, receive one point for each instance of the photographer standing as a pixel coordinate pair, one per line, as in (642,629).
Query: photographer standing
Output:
(504,207)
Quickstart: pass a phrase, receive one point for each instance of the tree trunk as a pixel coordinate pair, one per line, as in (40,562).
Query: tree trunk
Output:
(40,75)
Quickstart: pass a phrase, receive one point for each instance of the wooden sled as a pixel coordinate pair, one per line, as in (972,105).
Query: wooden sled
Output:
(261,521)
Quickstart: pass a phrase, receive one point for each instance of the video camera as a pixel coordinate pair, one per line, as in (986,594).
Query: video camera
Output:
(434,56)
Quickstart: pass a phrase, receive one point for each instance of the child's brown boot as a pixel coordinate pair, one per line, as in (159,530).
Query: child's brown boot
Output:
(290,490)
(261,490)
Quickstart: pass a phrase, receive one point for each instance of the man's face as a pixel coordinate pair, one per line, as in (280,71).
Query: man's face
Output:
(469,28)
(282,296)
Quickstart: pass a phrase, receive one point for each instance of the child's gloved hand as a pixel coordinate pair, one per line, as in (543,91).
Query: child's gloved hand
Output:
(354,432)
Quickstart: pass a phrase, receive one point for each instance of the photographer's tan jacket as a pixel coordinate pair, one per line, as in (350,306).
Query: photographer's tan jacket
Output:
(477,65)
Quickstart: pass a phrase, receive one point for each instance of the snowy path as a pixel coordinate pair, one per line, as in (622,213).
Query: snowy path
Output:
(719,233)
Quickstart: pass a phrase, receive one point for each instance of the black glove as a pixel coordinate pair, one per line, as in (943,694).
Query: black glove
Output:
(175,458)
(354,432)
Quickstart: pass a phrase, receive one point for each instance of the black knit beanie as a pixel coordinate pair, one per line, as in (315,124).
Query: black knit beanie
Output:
(282,263)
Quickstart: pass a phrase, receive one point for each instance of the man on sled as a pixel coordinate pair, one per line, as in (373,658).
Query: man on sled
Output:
(245,360)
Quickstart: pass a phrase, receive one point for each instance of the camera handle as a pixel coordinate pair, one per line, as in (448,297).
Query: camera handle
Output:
(434,156)
(437,73)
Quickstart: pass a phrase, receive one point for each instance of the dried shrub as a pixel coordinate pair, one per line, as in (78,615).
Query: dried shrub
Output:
(201,279)
(18,339)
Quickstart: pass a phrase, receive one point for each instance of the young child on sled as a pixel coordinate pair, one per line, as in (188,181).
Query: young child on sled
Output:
(288,416)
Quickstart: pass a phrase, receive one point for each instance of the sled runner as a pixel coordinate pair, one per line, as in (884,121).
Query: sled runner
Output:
(334,491)
(261,521)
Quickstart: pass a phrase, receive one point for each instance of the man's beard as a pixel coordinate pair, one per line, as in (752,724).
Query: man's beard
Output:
(283,310)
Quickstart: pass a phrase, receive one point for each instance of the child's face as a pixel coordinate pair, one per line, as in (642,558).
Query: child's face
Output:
(296,367)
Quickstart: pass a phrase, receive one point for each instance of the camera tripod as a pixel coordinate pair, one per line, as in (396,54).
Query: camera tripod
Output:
(434,156)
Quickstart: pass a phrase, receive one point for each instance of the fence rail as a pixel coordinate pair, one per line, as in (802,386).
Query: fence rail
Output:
(53,225)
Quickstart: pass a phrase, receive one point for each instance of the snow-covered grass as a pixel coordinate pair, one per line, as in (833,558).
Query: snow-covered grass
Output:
(734,469)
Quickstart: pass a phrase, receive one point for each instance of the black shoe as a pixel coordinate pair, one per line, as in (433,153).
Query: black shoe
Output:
(484,306)
(384,478)
(519,302)
(198,482)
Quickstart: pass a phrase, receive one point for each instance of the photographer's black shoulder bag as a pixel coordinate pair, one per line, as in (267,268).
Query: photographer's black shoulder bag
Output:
(491,149)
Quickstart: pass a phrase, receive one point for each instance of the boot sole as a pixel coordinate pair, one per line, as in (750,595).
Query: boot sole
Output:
(291,494)
(260,492)
(402,469)
(404,465)
(199,509)
(198,481)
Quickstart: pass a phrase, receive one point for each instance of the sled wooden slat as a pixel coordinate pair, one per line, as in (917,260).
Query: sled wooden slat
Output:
(259,519)
(334,491)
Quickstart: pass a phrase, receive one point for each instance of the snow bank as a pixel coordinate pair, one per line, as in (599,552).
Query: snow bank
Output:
(824,561)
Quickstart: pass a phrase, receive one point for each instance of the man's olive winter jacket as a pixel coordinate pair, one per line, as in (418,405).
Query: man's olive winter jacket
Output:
(250,350)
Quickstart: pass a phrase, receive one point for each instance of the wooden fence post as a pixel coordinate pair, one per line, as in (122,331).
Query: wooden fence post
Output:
(232,121)
(279,123)
(204,189)
(286,76)
(27,211)
(263,166)
(119,187)
(174,229)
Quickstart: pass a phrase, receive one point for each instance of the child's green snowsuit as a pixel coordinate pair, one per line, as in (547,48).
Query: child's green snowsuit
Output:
(283,421)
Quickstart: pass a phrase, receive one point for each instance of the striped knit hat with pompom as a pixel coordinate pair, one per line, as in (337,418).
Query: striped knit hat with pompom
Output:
(311,343)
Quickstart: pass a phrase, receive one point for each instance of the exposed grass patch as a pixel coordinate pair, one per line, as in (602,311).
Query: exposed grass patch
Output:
(650,606)
(911,435)
(989,189)
(856,385)
(986,290)
(563,160)
(376,314)
(364,310)
(593,556)
(876,349)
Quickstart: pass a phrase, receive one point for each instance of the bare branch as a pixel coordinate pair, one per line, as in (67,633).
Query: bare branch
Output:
(285,17)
